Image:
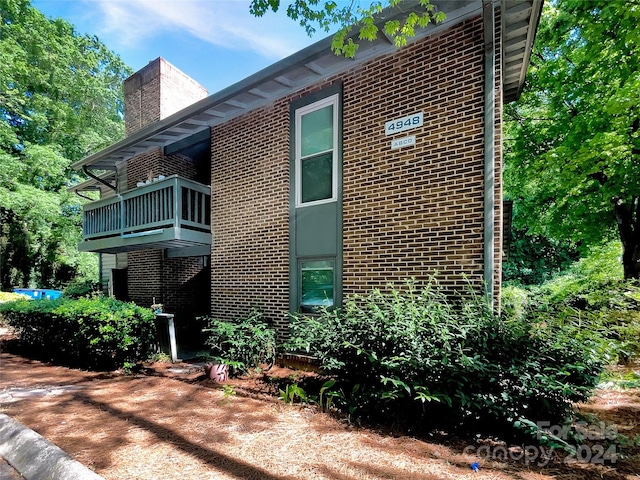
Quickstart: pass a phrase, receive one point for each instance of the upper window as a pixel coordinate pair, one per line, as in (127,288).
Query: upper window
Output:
(317,152)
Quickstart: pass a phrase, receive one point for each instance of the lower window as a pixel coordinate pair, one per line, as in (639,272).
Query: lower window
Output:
(316,285)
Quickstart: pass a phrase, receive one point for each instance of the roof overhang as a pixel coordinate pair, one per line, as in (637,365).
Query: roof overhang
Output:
(317,62)
(520,19)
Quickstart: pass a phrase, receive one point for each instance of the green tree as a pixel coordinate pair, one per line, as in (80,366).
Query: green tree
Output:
(313,14)
(573,138)
(534,259)
(60,99)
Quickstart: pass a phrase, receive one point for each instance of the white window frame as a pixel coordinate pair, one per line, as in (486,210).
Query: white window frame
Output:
(325,102)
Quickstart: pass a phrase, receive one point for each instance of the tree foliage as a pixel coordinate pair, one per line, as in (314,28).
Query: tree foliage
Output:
(60,99)
(573,138)
(349,17)
(534,259)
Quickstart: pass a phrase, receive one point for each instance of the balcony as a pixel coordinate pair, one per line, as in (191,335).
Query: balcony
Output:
(172,213)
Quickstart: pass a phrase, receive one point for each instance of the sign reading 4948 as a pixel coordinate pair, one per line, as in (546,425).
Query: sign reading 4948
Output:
(402,124)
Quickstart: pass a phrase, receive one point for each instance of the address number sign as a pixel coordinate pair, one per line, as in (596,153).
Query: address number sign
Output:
(402,124)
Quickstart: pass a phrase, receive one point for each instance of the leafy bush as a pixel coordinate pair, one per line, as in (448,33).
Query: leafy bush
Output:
(602,266)
(533,259)
(515,302)
(414,357)
(81,288)
(592,297)
(607,313)
(11,297)
(95,333)
(244,344)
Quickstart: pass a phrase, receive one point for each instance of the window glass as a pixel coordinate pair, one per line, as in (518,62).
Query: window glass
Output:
(317,285)
(316,152)
(317,131)
(317,177)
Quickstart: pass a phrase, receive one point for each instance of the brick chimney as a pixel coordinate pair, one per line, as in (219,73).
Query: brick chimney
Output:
(156,92)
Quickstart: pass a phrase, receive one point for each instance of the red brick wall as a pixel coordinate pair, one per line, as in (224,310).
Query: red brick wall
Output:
(139,167)
(250,214)
(142,98)
(144,277)
(180,284)
(157,91)
(412,212)
(154,163)
(177,90)
(416,211)
(181,290)
(186,292)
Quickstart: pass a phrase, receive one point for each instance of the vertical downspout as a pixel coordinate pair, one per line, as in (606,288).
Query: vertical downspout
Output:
(100,272)
(488,17)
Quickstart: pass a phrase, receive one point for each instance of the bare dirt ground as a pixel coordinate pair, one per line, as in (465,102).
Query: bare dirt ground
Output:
(168,422)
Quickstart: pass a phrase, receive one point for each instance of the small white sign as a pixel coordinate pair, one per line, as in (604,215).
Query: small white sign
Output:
(403,142)
(402,124)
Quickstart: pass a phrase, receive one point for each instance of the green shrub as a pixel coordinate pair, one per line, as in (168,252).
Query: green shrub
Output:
(591,298)
(244,344)
(533,259)
(413,357)
(81,288)
(11,297)
(95,333)
(601,267)
(614,329)
(515,302)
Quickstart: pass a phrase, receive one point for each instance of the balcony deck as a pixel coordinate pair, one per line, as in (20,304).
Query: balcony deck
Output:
(170,213)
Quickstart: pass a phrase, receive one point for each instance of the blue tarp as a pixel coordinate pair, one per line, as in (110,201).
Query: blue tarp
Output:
(39,293)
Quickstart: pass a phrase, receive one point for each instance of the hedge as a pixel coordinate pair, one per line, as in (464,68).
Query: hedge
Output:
(415,358)
(98,333)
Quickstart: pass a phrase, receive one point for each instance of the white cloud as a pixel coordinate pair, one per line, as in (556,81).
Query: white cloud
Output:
(224,23)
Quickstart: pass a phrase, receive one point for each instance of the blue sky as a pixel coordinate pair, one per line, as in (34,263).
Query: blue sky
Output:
(215,42)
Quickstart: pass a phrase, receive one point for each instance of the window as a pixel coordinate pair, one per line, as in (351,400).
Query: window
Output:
(317,285)
(315,201)
(316,161)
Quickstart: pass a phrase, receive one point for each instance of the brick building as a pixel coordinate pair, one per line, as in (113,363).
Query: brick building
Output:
(318,177)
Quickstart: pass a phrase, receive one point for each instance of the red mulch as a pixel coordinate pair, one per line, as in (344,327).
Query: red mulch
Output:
(169,422)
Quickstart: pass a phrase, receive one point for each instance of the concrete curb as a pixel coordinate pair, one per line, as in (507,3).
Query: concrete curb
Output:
(34,457)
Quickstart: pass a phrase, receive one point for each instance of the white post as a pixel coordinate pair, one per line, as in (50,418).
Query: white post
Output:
(172,338)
